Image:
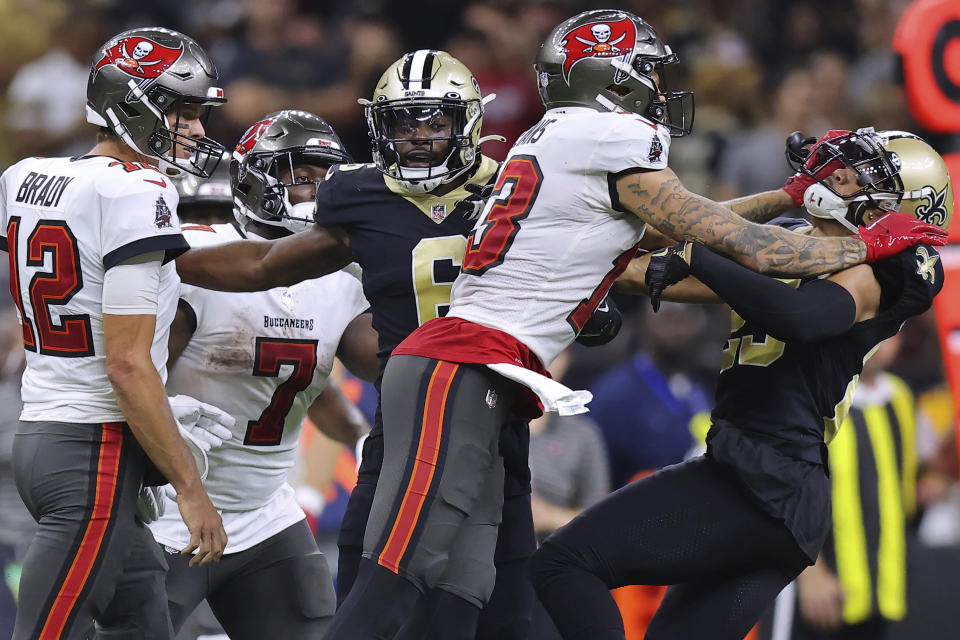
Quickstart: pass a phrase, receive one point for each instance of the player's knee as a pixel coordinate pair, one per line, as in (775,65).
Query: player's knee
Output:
(549,562)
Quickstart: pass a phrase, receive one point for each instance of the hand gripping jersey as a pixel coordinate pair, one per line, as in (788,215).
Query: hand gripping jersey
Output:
(64,223)
(778,401)
(263,357)
(410,247)
(552,239)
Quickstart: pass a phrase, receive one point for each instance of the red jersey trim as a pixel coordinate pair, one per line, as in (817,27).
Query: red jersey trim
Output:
(458,340)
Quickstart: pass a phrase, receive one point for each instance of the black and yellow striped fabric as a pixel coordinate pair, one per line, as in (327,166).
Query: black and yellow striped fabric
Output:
(873,464)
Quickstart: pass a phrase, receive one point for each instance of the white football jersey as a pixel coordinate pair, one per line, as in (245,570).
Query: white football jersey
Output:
(550,242)
(263,357)
(65,221)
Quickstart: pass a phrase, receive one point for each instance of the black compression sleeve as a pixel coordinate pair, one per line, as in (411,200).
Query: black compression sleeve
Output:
(816,310)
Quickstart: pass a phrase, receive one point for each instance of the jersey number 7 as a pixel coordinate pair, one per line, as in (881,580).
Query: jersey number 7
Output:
(72,336)
(271,353)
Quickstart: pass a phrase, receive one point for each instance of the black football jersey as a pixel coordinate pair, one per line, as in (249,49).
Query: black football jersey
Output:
(803,391)
(777,403)
(410,247)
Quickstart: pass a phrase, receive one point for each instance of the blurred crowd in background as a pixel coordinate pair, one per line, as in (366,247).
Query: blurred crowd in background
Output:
(760,69)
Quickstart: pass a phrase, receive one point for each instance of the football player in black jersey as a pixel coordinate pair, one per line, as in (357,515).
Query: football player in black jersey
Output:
(405,219)
(729,529)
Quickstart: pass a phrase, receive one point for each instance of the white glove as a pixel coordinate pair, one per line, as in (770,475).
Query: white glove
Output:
(150,504)
(203,427)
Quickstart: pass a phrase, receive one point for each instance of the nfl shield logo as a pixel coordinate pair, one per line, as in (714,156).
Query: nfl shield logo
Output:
(438,212)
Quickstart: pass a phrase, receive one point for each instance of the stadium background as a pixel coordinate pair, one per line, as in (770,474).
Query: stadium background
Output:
(760,69)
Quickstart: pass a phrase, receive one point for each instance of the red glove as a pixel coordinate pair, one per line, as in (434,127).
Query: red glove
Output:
(798,182)
(895,232)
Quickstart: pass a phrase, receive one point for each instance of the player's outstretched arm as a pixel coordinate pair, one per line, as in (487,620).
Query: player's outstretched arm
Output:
(761,207)
(632,281)
(337,417)
(790,311)
(758,207)
(659,199)
(256,265)
(143,401)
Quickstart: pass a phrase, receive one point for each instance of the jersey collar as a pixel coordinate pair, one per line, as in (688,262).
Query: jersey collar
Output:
(438,208)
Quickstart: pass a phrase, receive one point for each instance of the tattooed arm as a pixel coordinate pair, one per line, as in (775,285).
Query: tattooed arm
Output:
(761,207)
(660,200)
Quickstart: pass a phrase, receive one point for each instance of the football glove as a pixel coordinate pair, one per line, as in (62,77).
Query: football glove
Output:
(472,205)
(603,326)
(203,427)
(894,232)
(667,267)
(797,184)
(150,504)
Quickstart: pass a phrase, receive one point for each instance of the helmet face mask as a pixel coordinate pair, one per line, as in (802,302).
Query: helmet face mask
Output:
(419,139)
(425,119)
(275,164)
(196,156)
(144,78)
(611,60)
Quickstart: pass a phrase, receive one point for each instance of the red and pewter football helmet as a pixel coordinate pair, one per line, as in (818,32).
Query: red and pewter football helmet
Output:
(609,60)
(266,156)
(139,82)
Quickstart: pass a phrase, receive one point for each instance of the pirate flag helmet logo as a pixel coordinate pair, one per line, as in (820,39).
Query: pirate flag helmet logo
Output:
(598,40)
(140,57)
(252,136)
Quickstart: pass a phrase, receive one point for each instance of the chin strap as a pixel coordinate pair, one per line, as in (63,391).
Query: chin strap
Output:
(822,203)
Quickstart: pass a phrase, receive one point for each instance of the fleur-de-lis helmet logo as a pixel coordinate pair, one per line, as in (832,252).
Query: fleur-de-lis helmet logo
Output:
(933,209)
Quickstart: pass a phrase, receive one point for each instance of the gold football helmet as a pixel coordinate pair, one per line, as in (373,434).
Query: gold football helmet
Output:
(897,171)
(425,120)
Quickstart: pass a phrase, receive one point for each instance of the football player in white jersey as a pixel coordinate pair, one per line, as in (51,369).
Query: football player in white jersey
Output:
(91,241)
(568,213)
(264,357)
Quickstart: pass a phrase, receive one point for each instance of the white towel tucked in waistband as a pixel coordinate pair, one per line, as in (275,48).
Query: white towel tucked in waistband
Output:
(553,395)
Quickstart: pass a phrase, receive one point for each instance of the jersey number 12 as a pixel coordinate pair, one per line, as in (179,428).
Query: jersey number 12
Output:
(72,336)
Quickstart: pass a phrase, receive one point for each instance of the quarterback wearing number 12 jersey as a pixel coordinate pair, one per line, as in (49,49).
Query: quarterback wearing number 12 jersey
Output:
(66,221)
